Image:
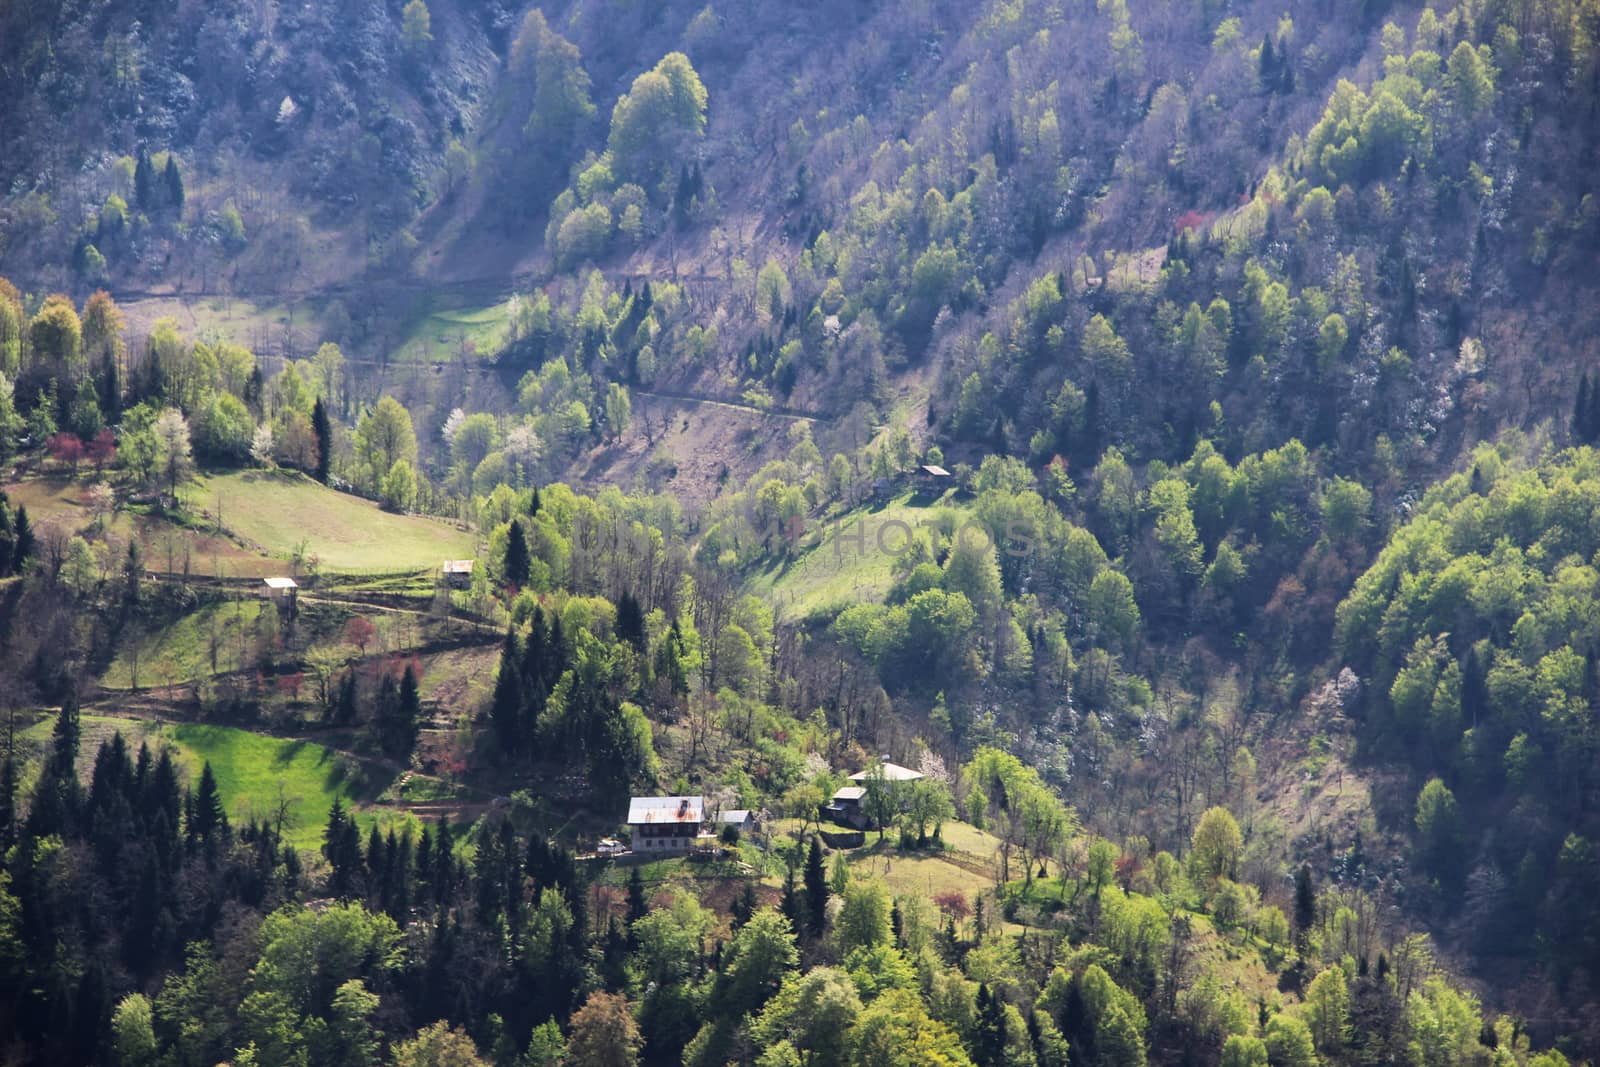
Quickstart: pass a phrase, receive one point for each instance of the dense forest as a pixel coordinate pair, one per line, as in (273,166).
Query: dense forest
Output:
(1143,459)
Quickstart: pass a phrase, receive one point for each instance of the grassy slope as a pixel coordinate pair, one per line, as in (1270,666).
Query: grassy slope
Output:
(249,767)
(836,571)
(181,652)
(278,510)
(59,501)
(253,771)
(442,334)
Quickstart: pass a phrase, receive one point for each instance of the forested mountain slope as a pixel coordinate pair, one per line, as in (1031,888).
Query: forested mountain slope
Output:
(1249,635)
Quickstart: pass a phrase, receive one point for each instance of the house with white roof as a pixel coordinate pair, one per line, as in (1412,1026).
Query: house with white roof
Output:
(665,824)
(849,805)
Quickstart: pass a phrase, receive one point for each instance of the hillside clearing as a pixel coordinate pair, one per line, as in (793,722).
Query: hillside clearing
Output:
(255,772)
(167,545)
(850,558)
(443,334)
(216,637)
(288,514)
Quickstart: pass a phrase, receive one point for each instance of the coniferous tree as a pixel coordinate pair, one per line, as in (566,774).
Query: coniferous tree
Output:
(344,705)
(322,428)
(398,715)
(7,536)
(209,816)
(1305,901)
(161,804)
(132,573)
(335,846)
(630,621)
(669,662)
(614,955)
(109,384)
(517,563)
(8,801)
(507,709)
(410,711)
(1474,688)
(681,197)
(377,865)
(144,182)
(555,657)
(533,652)
(637,905)
(989,1041)
(58,796)
(173,183)
(397,876)
(444,865)
(1268,71)
(538,864)
(1580,412)
(816,884)
(424,866)
(745,904)
(789,904)
(22,542)
(491,876)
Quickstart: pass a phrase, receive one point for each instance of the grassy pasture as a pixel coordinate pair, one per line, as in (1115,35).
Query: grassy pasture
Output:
(279,511)
(253,771)
(181,651)
(835,568)
(443,334)
(167,545)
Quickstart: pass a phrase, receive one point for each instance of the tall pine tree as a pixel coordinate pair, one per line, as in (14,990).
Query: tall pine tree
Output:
(816,883)
(506,710)
(144,182)
(209,817)
(58,796)
(630,621)
(322,428)
(1580,412)
(173,184)
(517,564)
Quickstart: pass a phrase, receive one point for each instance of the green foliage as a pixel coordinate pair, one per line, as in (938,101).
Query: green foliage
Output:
(657,120)
(1216,846)
(399,488)
(863,916)
(416,27)
(1241,1051)
(224,433)
(761,954)
(384,437)
(1328,1012)
(814,1013)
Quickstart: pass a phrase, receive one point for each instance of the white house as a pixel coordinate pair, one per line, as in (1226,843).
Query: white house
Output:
(281,590)
(665,824)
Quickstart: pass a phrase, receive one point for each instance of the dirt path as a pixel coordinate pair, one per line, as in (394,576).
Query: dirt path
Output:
(798,414)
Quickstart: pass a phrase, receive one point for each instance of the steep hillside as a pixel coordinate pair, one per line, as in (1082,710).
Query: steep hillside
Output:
(1177,416)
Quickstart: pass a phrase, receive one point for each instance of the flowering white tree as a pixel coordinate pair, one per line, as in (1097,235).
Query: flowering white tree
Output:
(524,450)
(261,445)
(173,451)
(452,425)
